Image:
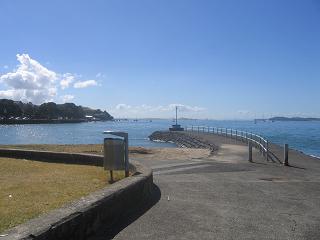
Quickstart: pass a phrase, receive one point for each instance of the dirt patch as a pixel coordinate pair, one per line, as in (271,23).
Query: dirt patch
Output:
(172,154)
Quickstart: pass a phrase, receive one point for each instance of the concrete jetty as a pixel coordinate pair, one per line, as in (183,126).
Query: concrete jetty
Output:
(223,196)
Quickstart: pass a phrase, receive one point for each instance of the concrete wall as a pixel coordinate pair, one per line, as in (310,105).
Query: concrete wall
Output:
(82,218)
(54,157)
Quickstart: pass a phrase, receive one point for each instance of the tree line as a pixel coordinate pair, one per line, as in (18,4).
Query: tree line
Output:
(50,110)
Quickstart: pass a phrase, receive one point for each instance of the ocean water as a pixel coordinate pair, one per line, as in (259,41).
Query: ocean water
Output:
(303,136)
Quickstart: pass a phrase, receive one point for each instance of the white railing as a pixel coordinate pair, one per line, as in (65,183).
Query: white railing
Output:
(257,141)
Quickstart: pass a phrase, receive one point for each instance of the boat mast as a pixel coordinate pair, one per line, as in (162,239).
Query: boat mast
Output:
(176,115)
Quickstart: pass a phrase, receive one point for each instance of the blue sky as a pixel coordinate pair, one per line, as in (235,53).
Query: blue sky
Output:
(215,59)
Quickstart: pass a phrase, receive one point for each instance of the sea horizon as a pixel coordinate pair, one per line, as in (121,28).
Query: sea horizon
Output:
(302,136)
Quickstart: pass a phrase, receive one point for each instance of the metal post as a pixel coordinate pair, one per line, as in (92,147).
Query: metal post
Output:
(267,153)
(126,156)
(286,155)
(260,146)
(250,151)
(111,176)
(176,115)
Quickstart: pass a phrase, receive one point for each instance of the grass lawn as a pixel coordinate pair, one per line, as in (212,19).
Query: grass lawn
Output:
(30,188)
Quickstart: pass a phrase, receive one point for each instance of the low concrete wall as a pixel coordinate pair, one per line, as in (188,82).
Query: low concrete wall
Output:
(82,218)
(53,157)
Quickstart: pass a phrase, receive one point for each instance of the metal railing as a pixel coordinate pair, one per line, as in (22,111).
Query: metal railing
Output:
(257,141)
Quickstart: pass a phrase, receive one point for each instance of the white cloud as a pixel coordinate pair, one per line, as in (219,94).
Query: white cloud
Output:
(32,82)
(67,98)
(185,108)
(122,106)
(29,95)
(100,75)
(11,94)
(29,75)
(84,84)
(67,79)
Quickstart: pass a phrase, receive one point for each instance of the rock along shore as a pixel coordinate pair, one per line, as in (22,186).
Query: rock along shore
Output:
(182,140)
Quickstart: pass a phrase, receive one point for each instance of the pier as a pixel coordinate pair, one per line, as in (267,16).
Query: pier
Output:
(224,196)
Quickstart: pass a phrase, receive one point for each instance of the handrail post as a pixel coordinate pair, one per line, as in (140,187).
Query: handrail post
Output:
(267,148)
(260,149)
(250,152)
(286,155)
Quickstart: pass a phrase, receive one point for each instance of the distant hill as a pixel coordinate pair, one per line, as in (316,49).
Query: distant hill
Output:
(18,110)
(293,119)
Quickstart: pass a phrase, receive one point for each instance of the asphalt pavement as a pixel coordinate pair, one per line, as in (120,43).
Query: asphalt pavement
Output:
(227,197)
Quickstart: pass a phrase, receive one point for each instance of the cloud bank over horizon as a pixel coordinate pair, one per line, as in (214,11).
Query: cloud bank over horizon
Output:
(123,110)
(33,82)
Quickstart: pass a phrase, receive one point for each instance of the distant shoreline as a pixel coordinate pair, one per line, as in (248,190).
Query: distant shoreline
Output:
(41,121)
(289,119)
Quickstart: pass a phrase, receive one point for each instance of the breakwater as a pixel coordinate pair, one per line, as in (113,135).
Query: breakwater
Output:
(182,139)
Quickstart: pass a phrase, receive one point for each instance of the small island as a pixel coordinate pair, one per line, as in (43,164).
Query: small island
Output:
(17,112)
(287,119)
(295,119)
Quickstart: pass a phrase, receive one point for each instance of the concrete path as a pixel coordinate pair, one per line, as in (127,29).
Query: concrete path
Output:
(226,197)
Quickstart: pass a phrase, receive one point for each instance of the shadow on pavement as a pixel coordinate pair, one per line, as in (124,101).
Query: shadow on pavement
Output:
(129,217)
(296,167)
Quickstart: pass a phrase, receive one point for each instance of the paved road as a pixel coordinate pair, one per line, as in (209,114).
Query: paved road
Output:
(226,197)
